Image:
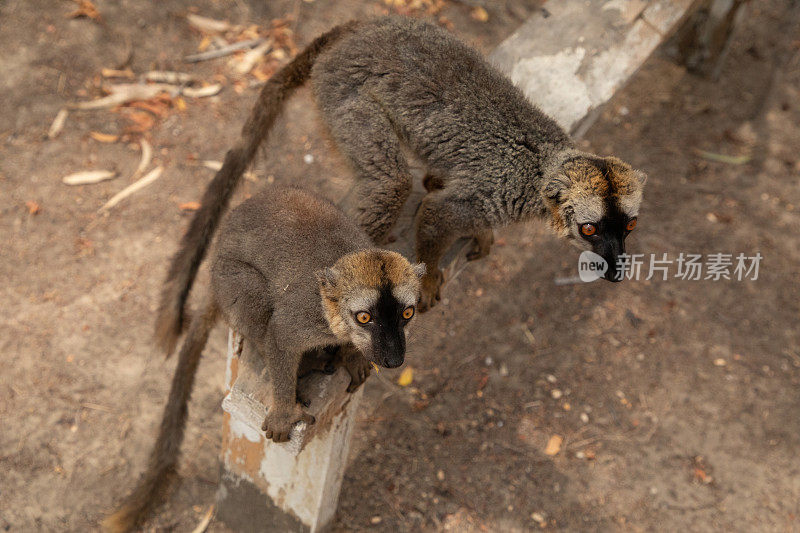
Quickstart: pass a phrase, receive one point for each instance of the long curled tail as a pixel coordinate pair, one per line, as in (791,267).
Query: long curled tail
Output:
(161,469)
(171,317)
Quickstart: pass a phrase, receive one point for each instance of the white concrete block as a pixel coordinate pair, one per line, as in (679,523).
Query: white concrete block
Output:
(293,485)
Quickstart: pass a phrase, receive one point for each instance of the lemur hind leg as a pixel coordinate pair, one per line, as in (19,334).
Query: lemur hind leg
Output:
(243,298)
(367,138)
(481,245)
(444,216)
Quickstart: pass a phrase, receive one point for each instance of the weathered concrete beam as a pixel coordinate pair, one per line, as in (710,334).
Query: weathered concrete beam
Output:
(572,57)
(292,486)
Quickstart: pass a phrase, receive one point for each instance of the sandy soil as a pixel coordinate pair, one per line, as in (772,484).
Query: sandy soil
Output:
(677,401)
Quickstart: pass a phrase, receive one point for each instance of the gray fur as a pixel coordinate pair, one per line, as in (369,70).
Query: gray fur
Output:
(275,254)
(284,269)
(399,82)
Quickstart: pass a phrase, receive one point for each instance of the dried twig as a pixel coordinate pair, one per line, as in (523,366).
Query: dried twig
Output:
(223,51)
(166,76)
(249,60)
(130,92)
(203,525)
(151,176)
(123,93)
(571,280)
(722,158)
(147,154)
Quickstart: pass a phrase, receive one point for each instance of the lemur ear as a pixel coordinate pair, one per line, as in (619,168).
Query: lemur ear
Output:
(327,277)
(556,186)
(419,269)
(640,176)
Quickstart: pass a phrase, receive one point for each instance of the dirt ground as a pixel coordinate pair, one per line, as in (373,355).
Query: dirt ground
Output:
(677,401)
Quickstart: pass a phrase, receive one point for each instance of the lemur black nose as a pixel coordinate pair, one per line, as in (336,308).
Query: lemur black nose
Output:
(394,360)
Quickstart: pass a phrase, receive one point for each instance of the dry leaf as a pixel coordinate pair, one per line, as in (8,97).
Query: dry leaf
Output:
(406,377)
(479,14)
(208,24)
(180,104)
(376,367)
(141,122)
(115,73)
(33,207)
(85,9)
(58,124)
(103,137)
(158,106)
(151,176)
(209,90)
(88,177)
(204,44)
(554,445)
(189,206)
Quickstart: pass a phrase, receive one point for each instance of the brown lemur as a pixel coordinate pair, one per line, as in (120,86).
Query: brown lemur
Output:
(293,275)
(395,84)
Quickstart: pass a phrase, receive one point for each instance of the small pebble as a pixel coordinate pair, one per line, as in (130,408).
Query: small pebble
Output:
(308,159)
(375,520)
(556,394)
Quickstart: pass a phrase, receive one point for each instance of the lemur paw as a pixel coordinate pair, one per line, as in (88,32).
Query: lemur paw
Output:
(278,423)
(302,400)
(430,291)
(357,366)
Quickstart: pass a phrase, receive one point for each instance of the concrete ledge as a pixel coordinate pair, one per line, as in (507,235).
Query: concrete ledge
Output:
(294,484)
(573,57)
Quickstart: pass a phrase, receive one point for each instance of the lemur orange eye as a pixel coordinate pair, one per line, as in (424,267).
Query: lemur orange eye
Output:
(588,229)
(363,317)
(631,224)
(408,312)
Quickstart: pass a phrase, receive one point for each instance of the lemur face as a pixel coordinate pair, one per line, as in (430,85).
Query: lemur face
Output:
(594,202)
(370,298)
